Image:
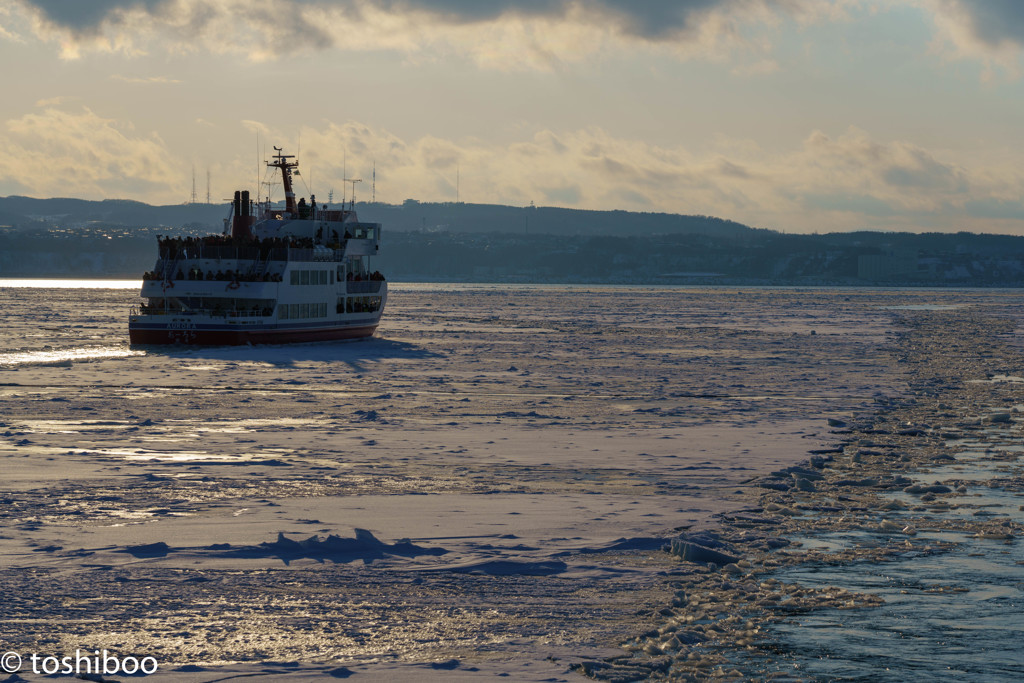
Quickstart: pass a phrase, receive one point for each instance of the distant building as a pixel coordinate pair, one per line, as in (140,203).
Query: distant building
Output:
(893,265)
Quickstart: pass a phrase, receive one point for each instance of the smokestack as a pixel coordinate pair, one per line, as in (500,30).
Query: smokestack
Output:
(241,221)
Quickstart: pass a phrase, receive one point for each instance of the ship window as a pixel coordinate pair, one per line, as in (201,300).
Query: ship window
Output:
(282,312)
(295,277)
(303,277)
(332,277)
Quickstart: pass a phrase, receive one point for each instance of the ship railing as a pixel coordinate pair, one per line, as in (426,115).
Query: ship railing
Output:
(178,255)
(160,310)
(300,254)
(208,252)
(262,313)
(363,286)
(317,253)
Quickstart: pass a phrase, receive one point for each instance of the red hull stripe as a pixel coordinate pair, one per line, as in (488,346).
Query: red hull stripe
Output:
(238,337)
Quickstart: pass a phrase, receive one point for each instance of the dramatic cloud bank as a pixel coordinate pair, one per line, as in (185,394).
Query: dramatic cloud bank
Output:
(829,183)
(503,33)
(506,34)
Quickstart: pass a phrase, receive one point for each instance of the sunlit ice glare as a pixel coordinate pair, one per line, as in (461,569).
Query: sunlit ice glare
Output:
(58,356)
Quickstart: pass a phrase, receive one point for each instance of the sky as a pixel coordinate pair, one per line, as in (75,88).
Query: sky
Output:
(795,115)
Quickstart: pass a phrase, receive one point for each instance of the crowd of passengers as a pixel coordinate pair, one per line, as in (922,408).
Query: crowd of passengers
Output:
(189,247)
(375,276)
(216,310)
(355,306)
(229,275)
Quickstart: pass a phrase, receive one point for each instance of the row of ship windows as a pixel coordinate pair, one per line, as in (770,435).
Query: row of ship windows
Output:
(290,311)
(312,277)
(364,304)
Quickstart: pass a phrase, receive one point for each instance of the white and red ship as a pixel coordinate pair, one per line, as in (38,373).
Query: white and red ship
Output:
(301,274)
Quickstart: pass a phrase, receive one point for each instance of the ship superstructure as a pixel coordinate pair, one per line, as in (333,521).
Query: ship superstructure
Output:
(297,274)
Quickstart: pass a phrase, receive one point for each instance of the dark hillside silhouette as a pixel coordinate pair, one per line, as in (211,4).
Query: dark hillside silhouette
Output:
(479,242)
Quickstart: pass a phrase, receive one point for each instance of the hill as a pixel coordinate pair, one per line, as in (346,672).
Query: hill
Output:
(481,242)
(20,212)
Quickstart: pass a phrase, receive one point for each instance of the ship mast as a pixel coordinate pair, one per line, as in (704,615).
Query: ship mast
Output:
(281,161)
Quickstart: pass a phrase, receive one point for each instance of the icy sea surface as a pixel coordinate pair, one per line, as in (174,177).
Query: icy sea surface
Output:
(488,486)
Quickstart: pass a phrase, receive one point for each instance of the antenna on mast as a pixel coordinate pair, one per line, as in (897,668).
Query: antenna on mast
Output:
(352,202)
(207,184)
(288,168)
(192,199)
(374,181)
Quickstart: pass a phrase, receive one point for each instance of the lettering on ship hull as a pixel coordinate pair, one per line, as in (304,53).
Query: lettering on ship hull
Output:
(181,331)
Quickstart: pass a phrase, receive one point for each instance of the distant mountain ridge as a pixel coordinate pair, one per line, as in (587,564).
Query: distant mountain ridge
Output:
(451,241)
(412,215)
(19,211)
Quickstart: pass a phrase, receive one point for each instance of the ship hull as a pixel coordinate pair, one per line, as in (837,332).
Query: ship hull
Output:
(146,335)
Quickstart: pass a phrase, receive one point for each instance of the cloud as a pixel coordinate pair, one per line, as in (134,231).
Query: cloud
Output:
(88,16)
(829,182)
(80,154)
(899,172)
(990,31)
(501,34)
(496,33)
(994,23)
(840,182)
